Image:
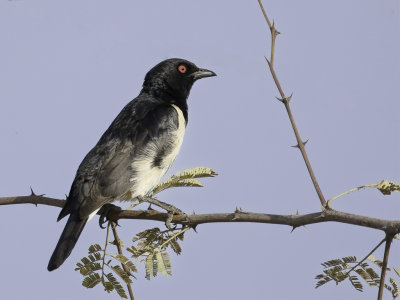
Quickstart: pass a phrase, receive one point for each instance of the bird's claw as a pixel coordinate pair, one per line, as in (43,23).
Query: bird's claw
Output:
(171,214)
(168,221)
(108,212)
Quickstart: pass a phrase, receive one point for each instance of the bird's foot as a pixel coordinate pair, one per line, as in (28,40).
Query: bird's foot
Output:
(109,212)
(172,210)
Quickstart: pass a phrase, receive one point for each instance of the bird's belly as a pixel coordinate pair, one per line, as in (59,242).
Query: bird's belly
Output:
(149,171)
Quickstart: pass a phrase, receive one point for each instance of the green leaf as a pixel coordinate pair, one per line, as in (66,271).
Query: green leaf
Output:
(117,286)
(356,283)
(89,269)
(372,273)
(332,263)
(175,182)
(108,286)
(164,263)
(121,273)
(94,248)
(324,279)
(175,246)
(133,251)
(349,259)
(126,262)
(365,276)
(185,178)
(91,281)
(149,266)
(95,256)
(155,266)
(395,291)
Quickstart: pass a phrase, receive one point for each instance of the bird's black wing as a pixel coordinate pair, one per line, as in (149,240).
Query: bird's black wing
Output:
(140,131)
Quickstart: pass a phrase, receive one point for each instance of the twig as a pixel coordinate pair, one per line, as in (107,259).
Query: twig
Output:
(105,252)
(386,187)
(117,243)
(361,261)
(285,100)
(32,199)
(389,239)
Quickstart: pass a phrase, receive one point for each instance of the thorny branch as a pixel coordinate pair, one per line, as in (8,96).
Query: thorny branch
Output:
(300,144)
(285,100)
(295,220)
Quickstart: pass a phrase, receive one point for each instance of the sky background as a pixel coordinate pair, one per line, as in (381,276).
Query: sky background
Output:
(68,67)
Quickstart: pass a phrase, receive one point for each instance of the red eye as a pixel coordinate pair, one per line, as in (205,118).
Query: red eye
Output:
(182,69)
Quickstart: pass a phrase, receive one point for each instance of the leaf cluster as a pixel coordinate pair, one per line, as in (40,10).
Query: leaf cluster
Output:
(151,245)
(92,267)
(185,178)
(355,272)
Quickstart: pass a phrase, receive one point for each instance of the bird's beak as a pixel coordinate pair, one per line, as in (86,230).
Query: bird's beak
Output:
(202,73)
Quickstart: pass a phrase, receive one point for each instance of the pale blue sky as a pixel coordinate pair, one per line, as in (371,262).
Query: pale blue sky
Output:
(68,68)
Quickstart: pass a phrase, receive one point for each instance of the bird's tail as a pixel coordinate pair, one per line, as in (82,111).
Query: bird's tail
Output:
(67,241)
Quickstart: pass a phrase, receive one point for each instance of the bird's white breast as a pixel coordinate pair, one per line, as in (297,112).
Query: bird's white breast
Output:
(148,176)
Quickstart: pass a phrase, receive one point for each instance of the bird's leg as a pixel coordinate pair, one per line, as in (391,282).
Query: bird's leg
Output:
(108,212)
(168,207)
(163,205)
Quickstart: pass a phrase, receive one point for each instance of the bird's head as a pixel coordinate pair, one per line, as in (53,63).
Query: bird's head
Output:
(173,78)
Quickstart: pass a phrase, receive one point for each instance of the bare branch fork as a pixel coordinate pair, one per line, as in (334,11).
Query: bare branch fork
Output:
(300,144)
(285,100)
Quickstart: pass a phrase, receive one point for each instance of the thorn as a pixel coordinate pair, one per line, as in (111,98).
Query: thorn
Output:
(32,192)
(298,147)
(238,210)
(273,29)
(285,100)
(269,64)
(194,227)
(293,228)
(297,212)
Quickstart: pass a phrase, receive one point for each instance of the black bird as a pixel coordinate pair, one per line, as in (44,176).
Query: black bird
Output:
(135,151)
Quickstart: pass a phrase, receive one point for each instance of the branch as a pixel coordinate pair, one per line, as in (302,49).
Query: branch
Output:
(32,199)
(285,100)
(366,257)
(117,243)
(389,239)
(328,215)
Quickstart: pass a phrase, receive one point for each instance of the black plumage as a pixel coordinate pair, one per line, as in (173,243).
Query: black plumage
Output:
(135,151)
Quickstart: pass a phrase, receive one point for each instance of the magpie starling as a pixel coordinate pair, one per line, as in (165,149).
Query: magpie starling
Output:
(135,151)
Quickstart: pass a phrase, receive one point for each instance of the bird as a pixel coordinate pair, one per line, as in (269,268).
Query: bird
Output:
(134,152)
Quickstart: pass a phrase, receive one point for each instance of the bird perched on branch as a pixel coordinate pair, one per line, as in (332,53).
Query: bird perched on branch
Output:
(135,151)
